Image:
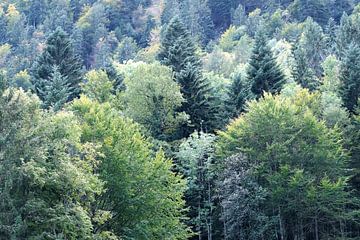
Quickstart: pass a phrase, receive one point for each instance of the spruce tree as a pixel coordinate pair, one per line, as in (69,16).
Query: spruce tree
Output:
(179,52)
(56,91)
(58,51)
(350,77)
(263,72)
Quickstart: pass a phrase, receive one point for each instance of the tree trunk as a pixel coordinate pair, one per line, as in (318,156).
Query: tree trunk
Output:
(316,229)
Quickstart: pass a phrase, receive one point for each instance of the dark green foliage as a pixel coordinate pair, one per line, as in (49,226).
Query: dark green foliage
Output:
(301,72)
(58,52)
(179,52)
(221,12)
(339,7)
(319,10)
(237,96)
(263,72)
(353,139)
(349,76)
(195,161)
(347,33)
(241,199)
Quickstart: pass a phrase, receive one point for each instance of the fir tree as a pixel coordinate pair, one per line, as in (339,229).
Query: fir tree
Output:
(179,52)
(59,52)
(56,91)
(263,71)
(350,77)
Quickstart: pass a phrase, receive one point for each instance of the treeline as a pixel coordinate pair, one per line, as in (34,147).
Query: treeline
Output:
(202,119)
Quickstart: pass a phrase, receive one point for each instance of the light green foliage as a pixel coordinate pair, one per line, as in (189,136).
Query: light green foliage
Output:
(254,22)
(152,97)
(22,80)
(282,53)
(229,39)
(243,49)
(291,31)
(219,62)
(98,86)
(48,184)
(294,155)
(332,104)
(144,195)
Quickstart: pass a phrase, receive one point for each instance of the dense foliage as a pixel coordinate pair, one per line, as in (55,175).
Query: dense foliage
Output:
(180,119)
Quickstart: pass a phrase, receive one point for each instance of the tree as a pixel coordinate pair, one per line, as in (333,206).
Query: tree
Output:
(178,51)
(144,195)
(126,50)
(195,161)
(348,32)
(333,110)
(152,97)
(301,72)
(98,86)
(196,15)
(294,156)
(241,199)
(48,183)
(59,16)
(56,90)
(349,76)
(319,10)
(263,70)
(313,43)
(353,137)
(58,52)
(237,95)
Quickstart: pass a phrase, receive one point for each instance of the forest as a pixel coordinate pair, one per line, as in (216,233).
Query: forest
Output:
(179,119)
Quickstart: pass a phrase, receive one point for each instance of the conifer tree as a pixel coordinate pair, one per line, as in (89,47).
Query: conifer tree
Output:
(350,75)
(237,96)
(59,52)
(56,91)
(179,52)
(263,71)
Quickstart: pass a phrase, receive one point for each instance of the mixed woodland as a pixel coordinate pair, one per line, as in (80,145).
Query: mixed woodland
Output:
(180,119)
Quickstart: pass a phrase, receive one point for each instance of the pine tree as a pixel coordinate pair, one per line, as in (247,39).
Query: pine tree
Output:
(263,71)
(179,52)
(57,90)
(350,77)
(59,52)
